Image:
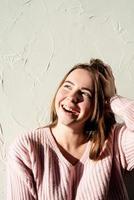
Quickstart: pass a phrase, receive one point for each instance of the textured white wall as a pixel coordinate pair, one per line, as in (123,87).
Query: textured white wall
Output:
(40,40)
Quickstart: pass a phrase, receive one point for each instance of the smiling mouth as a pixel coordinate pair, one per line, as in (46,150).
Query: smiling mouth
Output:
(70,110)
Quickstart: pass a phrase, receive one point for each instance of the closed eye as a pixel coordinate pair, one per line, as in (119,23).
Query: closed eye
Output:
(67,86)
(86,94)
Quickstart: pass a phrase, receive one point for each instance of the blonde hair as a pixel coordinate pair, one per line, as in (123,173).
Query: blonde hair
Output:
(100,122)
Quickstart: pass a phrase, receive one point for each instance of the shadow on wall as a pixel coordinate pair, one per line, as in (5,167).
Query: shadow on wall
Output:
(129,181)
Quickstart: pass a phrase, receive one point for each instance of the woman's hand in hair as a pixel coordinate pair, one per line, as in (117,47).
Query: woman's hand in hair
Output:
(108,82)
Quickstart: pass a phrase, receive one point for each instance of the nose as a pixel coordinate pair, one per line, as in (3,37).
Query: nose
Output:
(74,97)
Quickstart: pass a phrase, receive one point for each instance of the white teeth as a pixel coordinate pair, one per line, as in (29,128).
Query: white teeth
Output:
(70,109)
(67,108)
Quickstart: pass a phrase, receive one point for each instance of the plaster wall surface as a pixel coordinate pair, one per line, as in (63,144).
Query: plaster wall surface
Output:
(40,40)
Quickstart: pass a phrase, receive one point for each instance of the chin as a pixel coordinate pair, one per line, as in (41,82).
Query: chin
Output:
(66,122)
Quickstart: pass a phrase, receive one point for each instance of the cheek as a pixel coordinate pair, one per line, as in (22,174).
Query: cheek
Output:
(59,97)
(86,107)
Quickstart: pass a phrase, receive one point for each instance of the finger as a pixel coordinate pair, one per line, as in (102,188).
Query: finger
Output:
(108,71)
(103,77)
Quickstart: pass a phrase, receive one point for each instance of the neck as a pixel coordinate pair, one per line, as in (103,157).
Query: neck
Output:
(69,137)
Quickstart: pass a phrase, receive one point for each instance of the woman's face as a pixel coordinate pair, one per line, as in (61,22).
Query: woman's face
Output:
(73,99)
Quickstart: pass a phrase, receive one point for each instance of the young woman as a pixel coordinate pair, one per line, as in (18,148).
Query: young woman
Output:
(83,153)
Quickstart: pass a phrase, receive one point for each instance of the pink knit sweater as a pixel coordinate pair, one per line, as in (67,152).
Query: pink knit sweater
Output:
(37,170)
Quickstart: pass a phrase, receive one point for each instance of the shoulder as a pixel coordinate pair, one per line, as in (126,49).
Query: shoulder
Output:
(26,146)
(25,156)
(25,139)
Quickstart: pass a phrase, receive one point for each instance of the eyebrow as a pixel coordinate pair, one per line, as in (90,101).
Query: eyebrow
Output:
(83,88)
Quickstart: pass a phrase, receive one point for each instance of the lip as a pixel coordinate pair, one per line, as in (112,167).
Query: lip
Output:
(70,109)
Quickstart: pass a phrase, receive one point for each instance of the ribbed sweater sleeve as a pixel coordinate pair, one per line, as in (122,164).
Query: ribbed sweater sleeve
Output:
(125,134)
(20,182)
(124,108)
